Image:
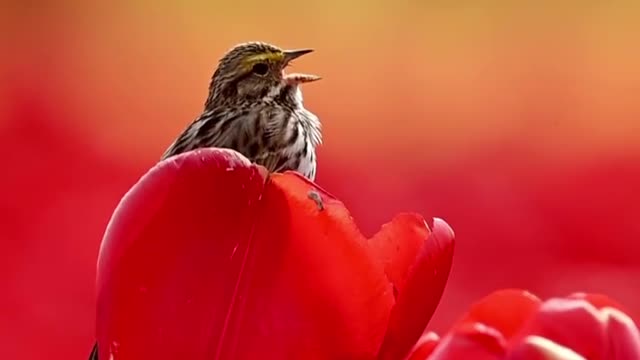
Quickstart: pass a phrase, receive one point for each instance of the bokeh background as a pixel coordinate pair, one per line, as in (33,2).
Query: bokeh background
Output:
(518,124)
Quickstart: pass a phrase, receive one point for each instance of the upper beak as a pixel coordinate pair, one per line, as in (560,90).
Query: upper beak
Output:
(297,78)
(294,54)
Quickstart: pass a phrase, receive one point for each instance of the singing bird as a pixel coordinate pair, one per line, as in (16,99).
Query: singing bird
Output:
(257,109)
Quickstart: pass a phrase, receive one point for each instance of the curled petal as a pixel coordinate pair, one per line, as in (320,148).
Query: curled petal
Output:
(539,348)
(424,347)
(504,310)
(397,244)
(328,296)
(574,324)
(515,325)
(419,274)
(599,301)
(623,335)
(470,341)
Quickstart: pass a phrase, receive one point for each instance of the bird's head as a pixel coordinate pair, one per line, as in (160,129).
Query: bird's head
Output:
(255,70)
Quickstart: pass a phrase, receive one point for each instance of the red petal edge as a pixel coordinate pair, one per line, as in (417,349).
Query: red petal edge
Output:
(419,293)
(470,341)
(623,335)
(326,273)
(504,310)
(598,300)
(424,347)
(572,323)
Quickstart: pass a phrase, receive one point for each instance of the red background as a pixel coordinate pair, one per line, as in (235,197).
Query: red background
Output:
(519,125)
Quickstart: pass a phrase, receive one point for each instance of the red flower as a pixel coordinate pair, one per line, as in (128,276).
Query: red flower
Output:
(515,325)
(207,257)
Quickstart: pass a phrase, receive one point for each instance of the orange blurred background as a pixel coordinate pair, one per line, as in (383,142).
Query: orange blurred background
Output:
(518,124)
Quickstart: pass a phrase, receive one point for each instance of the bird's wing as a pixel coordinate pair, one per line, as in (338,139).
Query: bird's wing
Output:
(214,128)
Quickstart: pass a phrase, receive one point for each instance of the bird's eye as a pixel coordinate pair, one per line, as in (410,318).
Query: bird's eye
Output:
(260,69)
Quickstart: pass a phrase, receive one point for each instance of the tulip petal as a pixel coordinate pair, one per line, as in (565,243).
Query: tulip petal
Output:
(419,279)
(581,326)
(397,244)
(425,346)
(623,335)
(186,224)
(470,341)
(572,323)
(599,301)
(208,257)
(326,272)
(504,310)
(539,348)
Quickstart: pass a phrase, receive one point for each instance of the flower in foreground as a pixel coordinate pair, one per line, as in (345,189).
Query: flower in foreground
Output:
(208,257)
(516,325)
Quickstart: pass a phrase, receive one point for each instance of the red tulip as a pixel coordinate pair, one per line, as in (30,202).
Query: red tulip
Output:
(208,257)
(515,325)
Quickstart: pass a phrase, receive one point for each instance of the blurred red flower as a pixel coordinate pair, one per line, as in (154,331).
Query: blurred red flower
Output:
(514,325)
(207,257)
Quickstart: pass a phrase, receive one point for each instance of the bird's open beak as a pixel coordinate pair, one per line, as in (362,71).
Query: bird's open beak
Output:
(298,78)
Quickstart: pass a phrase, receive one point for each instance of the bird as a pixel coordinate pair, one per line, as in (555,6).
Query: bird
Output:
(256,109)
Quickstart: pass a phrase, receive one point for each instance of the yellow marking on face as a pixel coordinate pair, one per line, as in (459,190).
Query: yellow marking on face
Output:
(269,57)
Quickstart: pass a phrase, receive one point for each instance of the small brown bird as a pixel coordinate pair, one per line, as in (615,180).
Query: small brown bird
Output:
(255,108)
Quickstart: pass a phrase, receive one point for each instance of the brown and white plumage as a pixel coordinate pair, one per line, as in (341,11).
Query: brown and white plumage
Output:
(259,115)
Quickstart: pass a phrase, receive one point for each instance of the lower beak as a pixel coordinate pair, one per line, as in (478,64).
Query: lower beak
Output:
(294,79)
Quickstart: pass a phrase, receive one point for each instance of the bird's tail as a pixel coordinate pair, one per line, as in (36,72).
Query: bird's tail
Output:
(94,352)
